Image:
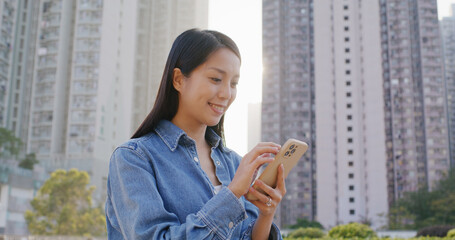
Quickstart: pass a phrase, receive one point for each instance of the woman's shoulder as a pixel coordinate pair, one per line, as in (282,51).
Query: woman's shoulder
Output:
(139,146)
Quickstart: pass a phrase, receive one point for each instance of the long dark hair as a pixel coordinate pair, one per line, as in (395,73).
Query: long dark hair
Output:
(190,49)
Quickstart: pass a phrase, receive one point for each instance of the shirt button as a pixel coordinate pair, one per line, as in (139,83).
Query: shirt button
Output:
(218,163)
(195,159)
(231,224)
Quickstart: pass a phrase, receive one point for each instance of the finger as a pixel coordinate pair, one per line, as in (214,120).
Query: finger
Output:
(281,184)
(260,161)
(266,188)
(257,151)
(262,200)
(263,144)
(265,155)
(260,196)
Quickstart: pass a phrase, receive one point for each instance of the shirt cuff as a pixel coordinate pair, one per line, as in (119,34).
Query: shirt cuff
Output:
(223,213)
(275,233)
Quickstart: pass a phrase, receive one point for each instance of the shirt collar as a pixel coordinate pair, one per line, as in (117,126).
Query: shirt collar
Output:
(171,135)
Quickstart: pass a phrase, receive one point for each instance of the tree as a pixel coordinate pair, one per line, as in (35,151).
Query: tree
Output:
(63,206)
(29,161)
(9,144)
(424,208)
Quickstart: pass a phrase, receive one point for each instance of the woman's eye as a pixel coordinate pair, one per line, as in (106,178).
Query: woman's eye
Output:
(216,79)
(234,84)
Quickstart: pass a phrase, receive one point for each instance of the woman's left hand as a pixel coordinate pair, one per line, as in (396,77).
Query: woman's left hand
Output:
(273,196)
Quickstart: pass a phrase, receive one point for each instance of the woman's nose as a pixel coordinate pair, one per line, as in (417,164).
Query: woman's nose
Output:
(225,91)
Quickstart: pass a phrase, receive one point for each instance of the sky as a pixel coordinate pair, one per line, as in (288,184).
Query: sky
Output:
(242,21)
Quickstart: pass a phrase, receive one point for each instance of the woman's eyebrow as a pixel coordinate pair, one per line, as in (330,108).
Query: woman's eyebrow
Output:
(218,70)
(221,71)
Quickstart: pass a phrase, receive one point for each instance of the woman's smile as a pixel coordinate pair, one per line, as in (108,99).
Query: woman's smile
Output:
(220,109)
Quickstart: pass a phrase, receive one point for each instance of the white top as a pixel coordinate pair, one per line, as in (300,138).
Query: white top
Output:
(218,188)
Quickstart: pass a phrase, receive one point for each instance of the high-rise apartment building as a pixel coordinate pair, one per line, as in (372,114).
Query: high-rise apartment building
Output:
(377,95)
(20,78)
(8,10)
(17,24)
(288,97)
(159,23)
(93,61)
(448,41)
(351,152)
(415,106)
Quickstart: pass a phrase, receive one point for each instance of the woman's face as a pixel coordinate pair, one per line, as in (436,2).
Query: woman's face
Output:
(210,89)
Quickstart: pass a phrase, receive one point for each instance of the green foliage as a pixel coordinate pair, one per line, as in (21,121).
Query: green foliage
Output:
(451,233)
(304,223)
(9,144)
(307,233)
(375,238)
(424,208)
(352,230)
(434,231)
(63,206)
(29,161)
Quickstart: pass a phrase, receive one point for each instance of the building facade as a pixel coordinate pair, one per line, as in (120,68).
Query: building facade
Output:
(159,23)
(351,154)
(415,106)
(370,74)
(448,41)
(8,11)
(17,114)
(92,67)
(18,187)
(288,97)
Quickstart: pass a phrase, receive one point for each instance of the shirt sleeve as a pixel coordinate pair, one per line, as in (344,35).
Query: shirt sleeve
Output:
(252,213)
(135,208)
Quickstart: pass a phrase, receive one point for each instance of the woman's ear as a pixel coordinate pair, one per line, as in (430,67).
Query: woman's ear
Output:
(177,79)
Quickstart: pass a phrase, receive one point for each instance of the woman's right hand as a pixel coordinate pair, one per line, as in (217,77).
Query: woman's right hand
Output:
(249,164)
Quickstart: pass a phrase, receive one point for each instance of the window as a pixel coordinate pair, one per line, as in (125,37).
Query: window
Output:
(345,7)
(346,50)
(351,175)
(348,94)
(346,39)
(349,140)
(348,83)
(349,129)
(351,164)
(348,72)
(351,199)
(351,187)
(350,151)
(346,18)
(347,60)
(346,29)
(348,105)
(352,212)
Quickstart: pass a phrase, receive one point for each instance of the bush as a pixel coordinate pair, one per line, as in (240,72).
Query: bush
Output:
(434,231)
(451,233)
(304,223)
(307,233)
(352,230)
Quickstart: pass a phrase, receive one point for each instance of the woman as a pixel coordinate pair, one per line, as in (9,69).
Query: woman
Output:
(175,179)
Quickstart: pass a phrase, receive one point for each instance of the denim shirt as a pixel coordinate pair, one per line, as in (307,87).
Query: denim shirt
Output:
(156,189)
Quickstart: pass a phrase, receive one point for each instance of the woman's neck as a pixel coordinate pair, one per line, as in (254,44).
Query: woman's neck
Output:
(194,130)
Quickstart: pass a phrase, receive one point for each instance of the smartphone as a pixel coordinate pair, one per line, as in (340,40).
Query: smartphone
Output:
(289,155)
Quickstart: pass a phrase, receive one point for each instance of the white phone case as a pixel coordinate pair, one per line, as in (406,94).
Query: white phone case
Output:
(289,155)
